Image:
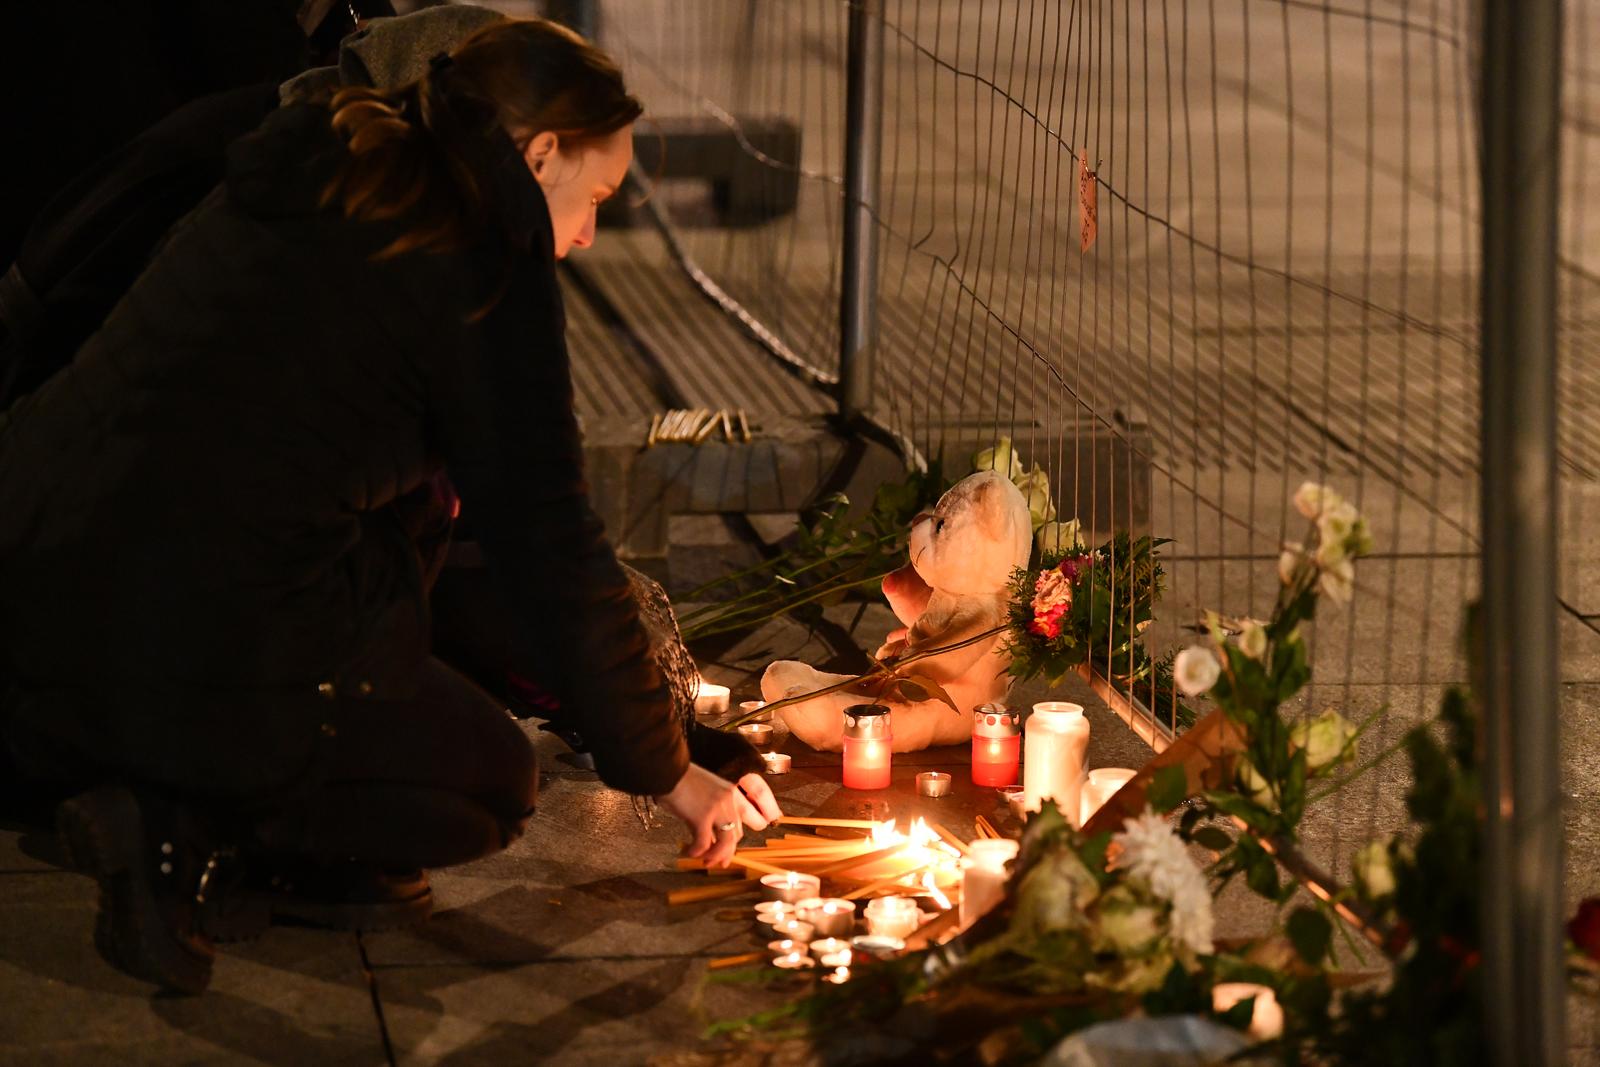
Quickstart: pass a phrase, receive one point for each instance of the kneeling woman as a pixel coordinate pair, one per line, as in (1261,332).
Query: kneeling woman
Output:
(218,526)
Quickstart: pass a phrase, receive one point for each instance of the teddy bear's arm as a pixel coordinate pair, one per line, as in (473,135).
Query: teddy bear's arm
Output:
(946,623)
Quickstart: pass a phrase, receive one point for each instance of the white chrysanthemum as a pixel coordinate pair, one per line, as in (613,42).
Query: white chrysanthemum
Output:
(1150,851)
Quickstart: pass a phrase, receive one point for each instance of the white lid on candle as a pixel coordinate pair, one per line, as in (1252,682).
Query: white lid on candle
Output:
(1057,714)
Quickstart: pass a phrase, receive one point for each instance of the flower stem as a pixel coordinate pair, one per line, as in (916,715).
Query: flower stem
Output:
(878,670)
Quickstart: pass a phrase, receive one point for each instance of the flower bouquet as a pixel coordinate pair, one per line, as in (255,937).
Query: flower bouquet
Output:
(1081,607)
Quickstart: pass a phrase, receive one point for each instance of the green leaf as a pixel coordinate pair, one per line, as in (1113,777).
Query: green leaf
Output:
(1169,788)
(1240,1014)
(1093,853)
(921,687)
(1310,933)
(1213,837)
(1262,877)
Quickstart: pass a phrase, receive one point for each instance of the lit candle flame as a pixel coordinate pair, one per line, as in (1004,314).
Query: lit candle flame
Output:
(934,891)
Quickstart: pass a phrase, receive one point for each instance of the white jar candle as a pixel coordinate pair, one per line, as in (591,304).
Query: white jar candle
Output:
(1056,746)
(1101,785)
(983,881)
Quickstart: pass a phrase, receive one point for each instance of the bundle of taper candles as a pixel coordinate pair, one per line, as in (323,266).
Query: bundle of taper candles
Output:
(861,858)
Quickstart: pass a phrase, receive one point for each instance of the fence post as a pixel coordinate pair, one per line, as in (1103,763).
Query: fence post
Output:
(1524,987)
(863,157)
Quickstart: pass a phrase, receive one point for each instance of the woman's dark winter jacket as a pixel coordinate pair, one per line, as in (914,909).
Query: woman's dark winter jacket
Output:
(197,560)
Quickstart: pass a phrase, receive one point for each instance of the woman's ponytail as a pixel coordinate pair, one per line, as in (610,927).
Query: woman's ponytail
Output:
(411,149)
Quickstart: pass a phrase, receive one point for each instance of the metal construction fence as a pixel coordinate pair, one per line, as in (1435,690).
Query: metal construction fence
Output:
(1186,255)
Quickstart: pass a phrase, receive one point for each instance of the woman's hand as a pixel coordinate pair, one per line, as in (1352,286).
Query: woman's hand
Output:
(714,809)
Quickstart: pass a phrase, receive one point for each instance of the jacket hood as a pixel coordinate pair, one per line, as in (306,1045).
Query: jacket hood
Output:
(388,52)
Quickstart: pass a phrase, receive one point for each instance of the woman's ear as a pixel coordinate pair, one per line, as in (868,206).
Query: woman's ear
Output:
(540,150)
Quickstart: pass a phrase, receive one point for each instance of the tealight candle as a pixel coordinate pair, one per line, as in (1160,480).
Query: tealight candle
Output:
(771,912)
(831,952)
(795,961)
(893,917)
(712,699)
(833,917)
(1015,798)
(1101,786)
(794,929)
(1266,1017)
(777,762)
(837,976)
(790,886)
(748,706)
(758,734)
(787,946)
(1058,739)
(933,783)
(996,744)
(983,883)
(867,741)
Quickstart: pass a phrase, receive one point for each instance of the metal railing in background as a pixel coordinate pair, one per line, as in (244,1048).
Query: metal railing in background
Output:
(1188,255)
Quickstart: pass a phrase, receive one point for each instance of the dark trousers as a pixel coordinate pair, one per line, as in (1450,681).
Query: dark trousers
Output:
(442,778)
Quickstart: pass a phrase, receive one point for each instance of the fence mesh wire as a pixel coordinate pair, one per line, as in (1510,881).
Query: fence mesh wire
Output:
(1283,286)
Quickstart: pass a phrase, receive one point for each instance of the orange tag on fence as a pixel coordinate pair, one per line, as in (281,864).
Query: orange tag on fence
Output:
(1088,215)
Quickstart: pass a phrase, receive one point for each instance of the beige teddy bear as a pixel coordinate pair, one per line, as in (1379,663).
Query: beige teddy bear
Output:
(962,556)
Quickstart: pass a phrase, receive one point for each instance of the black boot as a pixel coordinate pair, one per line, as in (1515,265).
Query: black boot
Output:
(154,867)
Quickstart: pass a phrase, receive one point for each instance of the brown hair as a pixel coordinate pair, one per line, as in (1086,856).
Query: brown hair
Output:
(411,149)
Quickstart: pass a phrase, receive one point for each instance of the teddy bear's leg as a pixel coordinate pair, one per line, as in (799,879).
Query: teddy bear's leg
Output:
(818,722)
(928,723)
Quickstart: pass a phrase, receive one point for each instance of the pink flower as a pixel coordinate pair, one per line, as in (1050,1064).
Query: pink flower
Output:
(1051,590)
(1047,624)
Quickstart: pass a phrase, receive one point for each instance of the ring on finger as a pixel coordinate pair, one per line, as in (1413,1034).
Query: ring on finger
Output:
(727,827)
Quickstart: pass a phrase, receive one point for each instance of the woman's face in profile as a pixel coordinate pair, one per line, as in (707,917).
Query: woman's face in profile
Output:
(576,182)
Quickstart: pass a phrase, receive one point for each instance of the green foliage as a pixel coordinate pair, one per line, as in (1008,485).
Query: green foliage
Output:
(1169,788)
(1311,934)
(1432,1011)
(833,555)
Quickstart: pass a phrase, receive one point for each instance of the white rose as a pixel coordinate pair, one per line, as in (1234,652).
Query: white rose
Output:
(1374,870)
(1338,582)
(1196,670)
(1288,562)
(1360,542)
(1312,500)
(1327,739)
(1337,522)
(1253,784)
(1059,536)
(1331,553)
(1035,487)
(1000,458)
(1253,639)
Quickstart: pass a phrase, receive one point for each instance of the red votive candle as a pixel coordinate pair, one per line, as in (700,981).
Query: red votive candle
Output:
(867,743)
(996,744)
